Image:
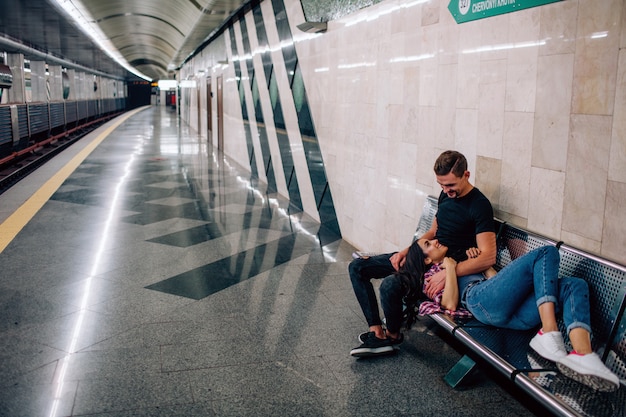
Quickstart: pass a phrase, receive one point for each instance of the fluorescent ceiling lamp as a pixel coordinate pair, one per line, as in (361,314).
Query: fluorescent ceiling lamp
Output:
(79,14)
(167,84)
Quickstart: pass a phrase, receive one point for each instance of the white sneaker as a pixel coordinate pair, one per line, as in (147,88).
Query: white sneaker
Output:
(589,370)
(549,345)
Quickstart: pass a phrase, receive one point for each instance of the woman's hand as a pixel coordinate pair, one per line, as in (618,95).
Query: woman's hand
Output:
(490,273)
(450,297)
(437,281)
(434,284)
(448,263)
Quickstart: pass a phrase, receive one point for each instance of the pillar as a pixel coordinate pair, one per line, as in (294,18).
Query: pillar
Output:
(17,93)
(55,81)
(38,79)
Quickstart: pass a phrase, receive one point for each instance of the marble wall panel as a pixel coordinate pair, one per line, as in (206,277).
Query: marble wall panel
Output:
(487,178)
(614,230)
(558,28)
(492,91)
(586,175)
(597,47)
(446,105)
(617,162)
(536,99)
(552,111)
(516,164)
(546,201)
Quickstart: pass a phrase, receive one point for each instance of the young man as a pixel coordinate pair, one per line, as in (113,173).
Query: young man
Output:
(464,219)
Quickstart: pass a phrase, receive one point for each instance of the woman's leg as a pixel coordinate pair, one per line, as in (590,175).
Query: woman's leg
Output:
(574,299)
(507,299)
(362,271)
(582,364)
(546,281)
(511,299)
(546,275)
(547,314)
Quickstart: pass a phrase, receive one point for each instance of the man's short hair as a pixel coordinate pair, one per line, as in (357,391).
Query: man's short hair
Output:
(451,161)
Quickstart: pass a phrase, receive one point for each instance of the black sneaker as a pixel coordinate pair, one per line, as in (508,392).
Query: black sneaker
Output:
(363,337)
(396,342)
(373,346)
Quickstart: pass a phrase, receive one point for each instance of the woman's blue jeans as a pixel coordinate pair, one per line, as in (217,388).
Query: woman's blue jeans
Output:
(362,271)
(510,299)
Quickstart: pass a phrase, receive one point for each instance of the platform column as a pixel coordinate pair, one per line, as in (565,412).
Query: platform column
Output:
(80,86)
(17,93)
(55,79)
(71,77)
(38,77)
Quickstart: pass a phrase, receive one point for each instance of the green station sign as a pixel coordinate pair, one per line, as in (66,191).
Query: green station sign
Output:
(467,10)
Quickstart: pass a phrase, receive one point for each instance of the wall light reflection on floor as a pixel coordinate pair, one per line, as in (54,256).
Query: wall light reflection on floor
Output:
(105,237)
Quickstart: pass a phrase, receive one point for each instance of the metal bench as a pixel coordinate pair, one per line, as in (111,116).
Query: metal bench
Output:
(507,351)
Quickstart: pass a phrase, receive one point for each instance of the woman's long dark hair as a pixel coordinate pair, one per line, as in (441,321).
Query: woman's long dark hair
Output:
(411,275)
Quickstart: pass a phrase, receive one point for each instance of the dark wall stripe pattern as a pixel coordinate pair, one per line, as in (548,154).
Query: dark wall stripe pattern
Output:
(289,168)
(258,110)
(330,227)
(244,110)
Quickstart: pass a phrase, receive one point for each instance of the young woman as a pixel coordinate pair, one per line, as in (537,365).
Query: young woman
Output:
(523,295)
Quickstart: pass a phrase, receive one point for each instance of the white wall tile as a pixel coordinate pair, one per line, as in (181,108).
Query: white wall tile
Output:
(586,175)
(552,111)
(558,28)
(617,162)
(516,164)
(545,204)
(492,88)
(614,230)
(597,47)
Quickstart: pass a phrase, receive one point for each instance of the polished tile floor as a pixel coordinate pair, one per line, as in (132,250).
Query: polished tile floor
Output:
(159,279)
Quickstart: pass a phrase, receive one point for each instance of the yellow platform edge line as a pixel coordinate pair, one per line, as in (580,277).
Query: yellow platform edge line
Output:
(16,221)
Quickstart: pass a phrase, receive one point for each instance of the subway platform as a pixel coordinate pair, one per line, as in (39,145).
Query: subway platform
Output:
(145,274)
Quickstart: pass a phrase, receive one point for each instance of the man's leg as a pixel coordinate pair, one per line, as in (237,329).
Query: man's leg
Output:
(362,271)
(391,294)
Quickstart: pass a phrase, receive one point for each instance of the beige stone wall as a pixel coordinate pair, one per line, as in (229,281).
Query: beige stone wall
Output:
(536,99)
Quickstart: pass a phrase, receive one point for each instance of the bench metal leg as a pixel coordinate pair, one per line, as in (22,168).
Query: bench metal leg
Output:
(460,371)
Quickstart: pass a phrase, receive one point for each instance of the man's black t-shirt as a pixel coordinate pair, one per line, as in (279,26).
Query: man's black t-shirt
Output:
(459,220)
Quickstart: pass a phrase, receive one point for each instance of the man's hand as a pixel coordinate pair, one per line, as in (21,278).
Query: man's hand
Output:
(472,253)
(435,283)
(480,258)
(398,259)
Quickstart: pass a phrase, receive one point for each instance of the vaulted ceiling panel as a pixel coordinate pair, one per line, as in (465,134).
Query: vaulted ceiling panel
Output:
(154,36)
(179,24)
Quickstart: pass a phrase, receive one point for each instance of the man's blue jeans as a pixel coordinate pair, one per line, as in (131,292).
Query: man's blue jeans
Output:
(510,299)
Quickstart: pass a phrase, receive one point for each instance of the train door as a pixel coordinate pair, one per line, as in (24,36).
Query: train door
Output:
(209,111)
(199,106)
(220,115)
(170,98)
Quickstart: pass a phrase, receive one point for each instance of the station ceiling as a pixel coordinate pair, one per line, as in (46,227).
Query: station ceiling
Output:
(154,36)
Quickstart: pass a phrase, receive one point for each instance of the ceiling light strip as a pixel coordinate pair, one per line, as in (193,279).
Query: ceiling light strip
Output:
(87,25)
